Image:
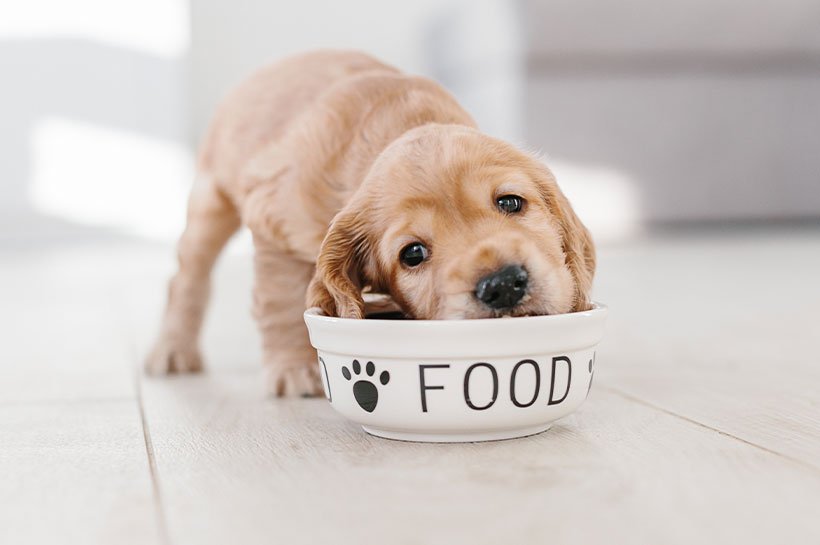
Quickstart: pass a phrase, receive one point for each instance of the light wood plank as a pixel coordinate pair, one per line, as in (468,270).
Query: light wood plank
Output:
(62,337)
(75,319)
(235,467)
(722,330)
(74,473)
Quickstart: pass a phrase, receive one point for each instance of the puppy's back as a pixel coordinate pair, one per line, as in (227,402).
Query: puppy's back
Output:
(260,110)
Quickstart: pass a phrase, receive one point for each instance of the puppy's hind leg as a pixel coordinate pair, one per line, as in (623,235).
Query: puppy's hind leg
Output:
(278,305)
(212,220)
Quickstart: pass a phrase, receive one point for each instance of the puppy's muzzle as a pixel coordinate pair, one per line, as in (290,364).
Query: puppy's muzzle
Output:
(504,288)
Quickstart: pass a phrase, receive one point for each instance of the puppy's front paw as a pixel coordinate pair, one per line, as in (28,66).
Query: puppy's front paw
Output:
(293,381)
(169,356)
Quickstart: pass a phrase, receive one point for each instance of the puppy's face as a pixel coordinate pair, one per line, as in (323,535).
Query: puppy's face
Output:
(454,224)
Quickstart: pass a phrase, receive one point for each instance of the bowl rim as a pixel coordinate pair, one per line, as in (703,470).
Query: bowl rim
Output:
(436,339)
(315,313)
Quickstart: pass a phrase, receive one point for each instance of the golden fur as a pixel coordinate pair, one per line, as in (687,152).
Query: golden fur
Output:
(335,162)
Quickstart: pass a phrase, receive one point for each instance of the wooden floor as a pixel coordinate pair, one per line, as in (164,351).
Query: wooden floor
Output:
(703,425)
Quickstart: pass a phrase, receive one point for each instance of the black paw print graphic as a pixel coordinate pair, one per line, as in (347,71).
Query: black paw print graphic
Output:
(365,392)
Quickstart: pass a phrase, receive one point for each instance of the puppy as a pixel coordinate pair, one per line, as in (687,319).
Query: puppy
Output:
(353,177)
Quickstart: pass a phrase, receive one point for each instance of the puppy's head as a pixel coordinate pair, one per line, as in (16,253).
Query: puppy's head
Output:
(455,224)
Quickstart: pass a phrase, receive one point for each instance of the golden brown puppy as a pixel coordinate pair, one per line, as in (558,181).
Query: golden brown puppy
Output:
(355,177)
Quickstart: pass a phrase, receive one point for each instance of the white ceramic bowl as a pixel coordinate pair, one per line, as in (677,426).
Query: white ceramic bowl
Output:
(457,380)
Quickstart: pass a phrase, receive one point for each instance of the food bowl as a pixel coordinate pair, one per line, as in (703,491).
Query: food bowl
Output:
(457,380)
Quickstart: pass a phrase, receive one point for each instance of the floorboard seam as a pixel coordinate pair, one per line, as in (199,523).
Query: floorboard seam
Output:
(152,466)
(791,459)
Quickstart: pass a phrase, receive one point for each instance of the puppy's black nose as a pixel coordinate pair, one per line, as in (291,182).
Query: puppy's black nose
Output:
(504,288)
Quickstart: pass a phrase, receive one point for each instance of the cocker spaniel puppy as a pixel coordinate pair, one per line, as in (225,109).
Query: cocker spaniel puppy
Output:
(355,177)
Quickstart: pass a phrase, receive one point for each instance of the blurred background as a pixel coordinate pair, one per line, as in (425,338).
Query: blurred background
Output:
(650,113)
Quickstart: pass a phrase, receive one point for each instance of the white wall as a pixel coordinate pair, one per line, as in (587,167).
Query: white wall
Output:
(93,116)
(230,39)
(102,102)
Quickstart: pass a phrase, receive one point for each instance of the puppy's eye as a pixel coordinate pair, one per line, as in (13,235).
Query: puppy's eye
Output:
(510,204)
(413,254)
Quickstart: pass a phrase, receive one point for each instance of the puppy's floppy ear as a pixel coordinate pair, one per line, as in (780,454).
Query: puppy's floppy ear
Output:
(336,287)
(579,250)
